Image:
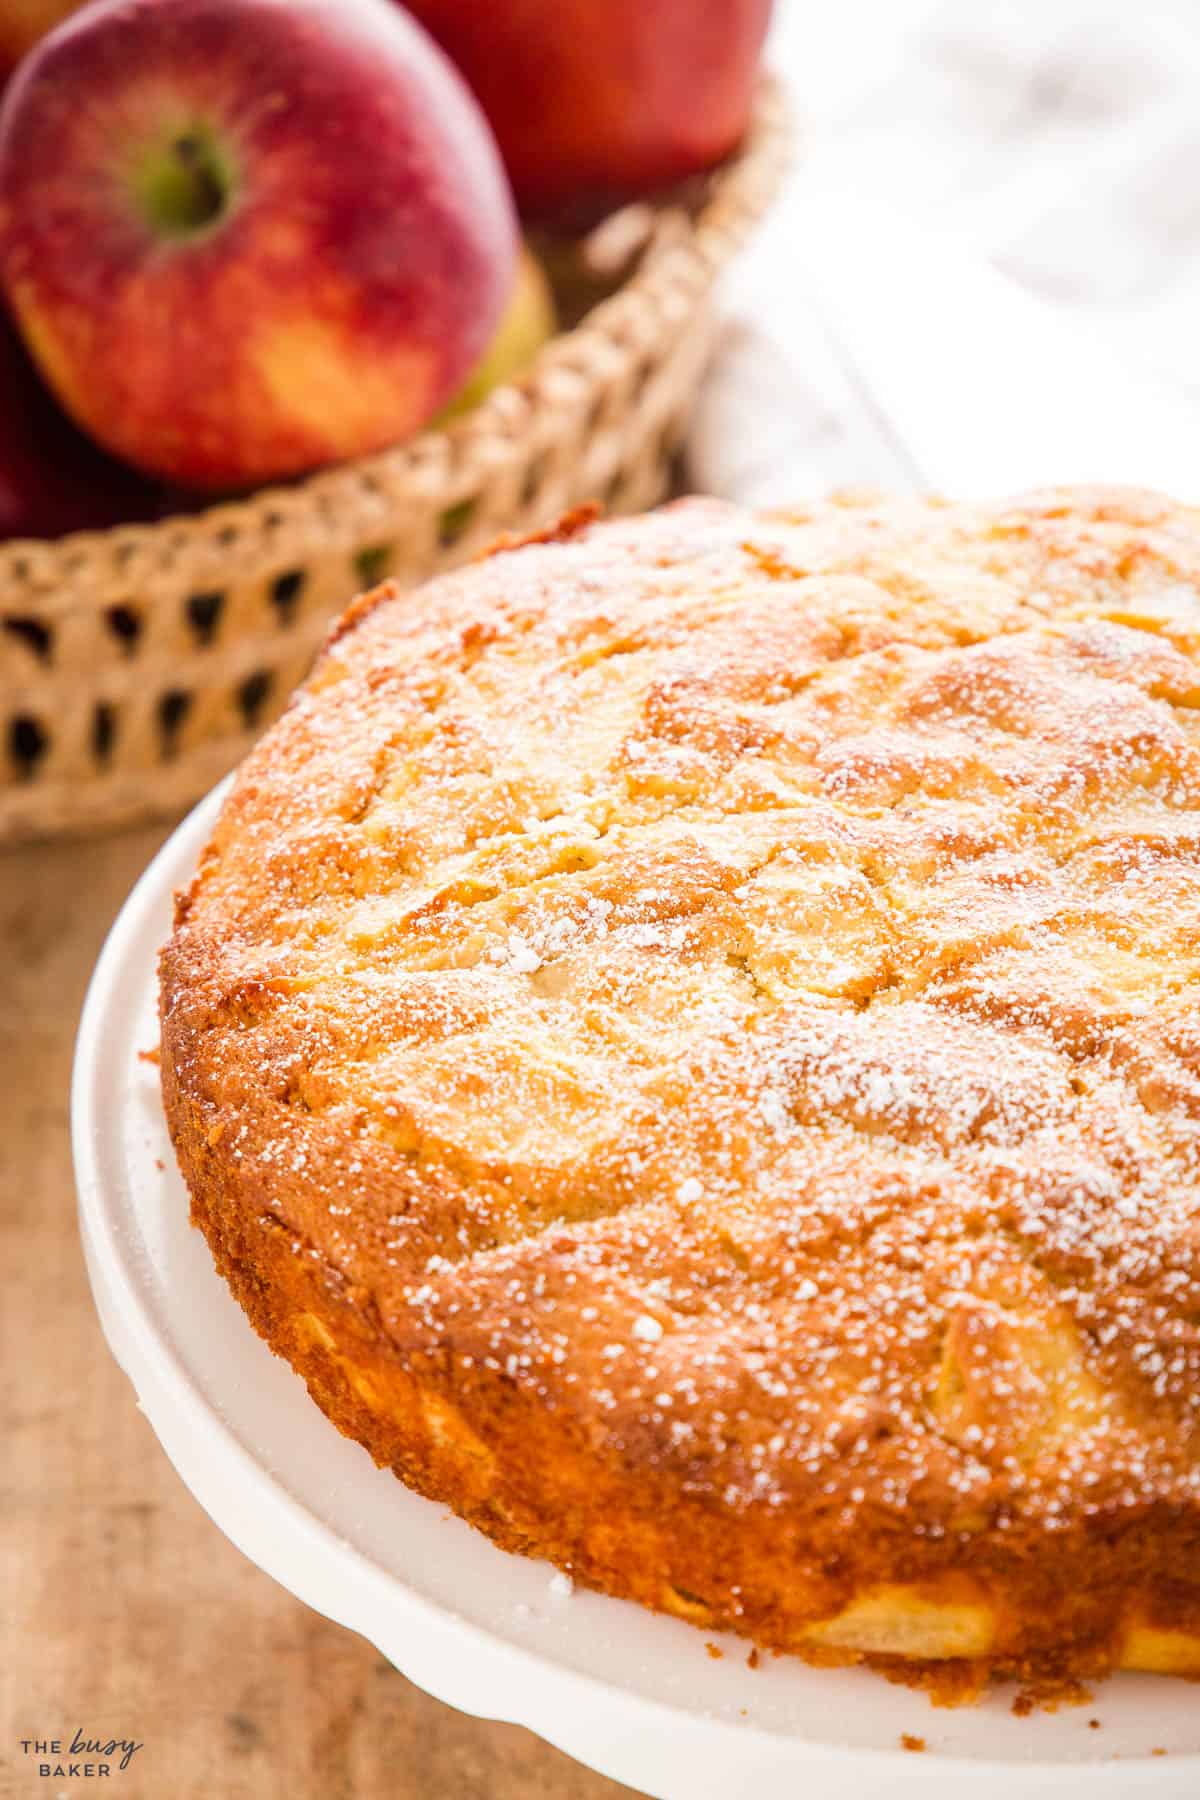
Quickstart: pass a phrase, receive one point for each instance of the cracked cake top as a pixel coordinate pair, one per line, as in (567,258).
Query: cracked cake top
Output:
(733,978)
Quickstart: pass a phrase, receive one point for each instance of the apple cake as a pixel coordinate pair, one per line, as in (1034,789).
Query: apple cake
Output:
(685,1035)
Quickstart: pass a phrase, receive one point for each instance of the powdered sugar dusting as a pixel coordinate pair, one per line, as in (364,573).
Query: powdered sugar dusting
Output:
(736,980)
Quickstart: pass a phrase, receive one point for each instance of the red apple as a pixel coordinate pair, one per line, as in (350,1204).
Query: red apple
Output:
(595,100)
(528,322)
(52,480)
(247,237)
(22,23)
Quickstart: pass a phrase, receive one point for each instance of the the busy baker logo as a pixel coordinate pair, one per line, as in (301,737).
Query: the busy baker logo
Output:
(79,1758)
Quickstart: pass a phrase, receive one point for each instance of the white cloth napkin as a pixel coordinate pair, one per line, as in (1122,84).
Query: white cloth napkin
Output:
(985,273)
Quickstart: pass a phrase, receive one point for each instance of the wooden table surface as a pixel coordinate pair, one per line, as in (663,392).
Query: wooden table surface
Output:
(122,1608)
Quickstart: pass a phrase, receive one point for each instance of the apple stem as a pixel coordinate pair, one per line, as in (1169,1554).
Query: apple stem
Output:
(209,193)
(185,185)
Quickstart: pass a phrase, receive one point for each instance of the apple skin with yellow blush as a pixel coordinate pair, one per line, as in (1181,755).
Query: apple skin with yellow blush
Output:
(246,238)
(528,322)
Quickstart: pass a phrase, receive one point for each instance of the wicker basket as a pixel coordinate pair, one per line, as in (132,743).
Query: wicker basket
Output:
(137,665)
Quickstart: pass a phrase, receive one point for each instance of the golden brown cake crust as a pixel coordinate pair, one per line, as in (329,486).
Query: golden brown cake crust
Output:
(686,1036)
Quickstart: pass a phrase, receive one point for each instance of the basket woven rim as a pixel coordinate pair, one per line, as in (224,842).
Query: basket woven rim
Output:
(444,457)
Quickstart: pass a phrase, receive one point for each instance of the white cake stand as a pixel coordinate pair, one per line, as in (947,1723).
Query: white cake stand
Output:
(635,1696)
